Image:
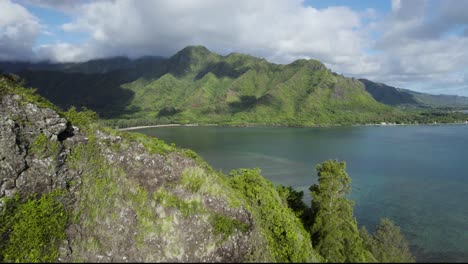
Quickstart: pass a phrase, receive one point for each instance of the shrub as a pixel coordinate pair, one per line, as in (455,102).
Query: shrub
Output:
(286,237)
(32,230)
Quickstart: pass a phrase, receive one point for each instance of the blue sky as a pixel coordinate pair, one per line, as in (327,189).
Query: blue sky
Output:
(379,5)
(53,20)
(416,44)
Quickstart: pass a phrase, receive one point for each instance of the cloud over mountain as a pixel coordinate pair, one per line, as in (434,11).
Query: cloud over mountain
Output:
(18,31)
(418,44)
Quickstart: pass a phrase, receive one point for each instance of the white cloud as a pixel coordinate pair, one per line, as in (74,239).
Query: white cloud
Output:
(18,31)
(68,6)
(64,52)
(418,49)
(396,4)
(280,30)
(413,46)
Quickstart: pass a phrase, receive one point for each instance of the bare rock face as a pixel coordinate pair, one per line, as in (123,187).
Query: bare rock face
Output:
(31,151)
(173,224)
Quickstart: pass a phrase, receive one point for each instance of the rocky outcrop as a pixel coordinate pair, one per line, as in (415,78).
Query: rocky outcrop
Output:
(125,202)
(125,197)
(32,151)
(166,222)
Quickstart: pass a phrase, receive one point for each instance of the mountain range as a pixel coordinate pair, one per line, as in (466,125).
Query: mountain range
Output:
(397,96)
(198,86)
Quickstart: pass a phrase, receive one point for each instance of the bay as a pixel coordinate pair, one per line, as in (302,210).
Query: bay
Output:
(415,175)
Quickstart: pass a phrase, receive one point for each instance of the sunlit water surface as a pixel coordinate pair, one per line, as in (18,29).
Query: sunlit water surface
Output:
(415,175)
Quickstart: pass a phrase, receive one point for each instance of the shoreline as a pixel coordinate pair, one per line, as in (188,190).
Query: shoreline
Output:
(279,125)
(164,125)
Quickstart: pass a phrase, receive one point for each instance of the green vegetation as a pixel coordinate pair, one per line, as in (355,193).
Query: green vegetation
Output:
(153,145)
(282,230)
(334,230)
(39,144)
(43,147)
(198,86)
(225,226)
(438,101)
(294,200)
(187,208)
(395,96)
(193,181)
(31,230)
(218,90)
(334,227)
(387,244)
(11,84)
(82,119)
(387,94)
(99,184)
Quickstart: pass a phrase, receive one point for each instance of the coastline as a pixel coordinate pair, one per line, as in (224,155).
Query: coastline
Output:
(279,125)
(164,125)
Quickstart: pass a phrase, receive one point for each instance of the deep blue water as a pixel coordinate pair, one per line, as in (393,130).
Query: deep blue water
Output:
(415,175)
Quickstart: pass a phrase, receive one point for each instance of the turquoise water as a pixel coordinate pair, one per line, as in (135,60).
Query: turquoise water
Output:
(415,175)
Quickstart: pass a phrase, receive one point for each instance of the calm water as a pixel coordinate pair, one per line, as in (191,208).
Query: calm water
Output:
(415,175)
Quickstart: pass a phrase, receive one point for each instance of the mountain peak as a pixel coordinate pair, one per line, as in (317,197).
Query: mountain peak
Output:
(314,64)
(194,51)
(191,59)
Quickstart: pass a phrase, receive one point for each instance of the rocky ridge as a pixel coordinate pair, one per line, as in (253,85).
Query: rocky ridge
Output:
(130,198)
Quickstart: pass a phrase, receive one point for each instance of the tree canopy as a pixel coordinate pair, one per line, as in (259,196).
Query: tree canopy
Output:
(334,231)
(388,243)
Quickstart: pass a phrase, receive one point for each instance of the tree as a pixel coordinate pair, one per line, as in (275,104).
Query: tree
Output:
(334,231)
(387,243)
(293,199)
(286,238)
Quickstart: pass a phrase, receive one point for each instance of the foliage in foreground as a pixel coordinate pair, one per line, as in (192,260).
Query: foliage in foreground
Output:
(387,243)
(294,200)
(31,230)
(286,237)
(330,220)
(334,228)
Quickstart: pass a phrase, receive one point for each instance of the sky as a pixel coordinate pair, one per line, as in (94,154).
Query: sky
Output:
(420,45)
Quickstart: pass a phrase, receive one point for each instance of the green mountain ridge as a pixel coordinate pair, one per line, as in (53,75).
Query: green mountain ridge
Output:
(441,100)
(387,94)
(397,96)
(198,86)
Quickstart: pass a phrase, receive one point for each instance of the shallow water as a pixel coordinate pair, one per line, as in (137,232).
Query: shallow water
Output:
(415,175)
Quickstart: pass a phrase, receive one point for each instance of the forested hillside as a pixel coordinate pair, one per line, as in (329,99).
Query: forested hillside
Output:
(396,96)
(198,86)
